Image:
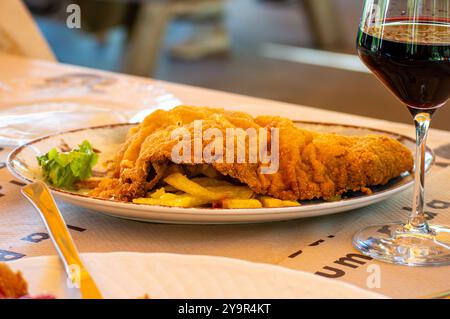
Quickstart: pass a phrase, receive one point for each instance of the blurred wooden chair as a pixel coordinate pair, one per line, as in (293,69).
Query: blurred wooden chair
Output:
(324,21)
(146,37)
(19,34)
(99,17)
(147,34)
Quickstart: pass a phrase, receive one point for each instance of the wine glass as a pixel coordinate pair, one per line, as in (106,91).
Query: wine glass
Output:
(406,44)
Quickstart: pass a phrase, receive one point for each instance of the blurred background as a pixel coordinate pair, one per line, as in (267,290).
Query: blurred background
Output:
(298,51)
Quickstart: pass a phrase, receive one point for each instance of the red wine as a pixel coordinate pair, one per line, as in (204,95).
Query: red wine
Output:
(412,60)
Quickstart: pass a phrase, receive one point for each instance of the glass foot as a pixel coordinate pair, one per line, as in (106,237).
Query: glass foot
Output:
(392,243)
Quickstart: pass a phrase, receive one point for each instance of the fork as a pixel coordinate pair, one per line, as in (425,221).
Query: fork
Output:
(39,195)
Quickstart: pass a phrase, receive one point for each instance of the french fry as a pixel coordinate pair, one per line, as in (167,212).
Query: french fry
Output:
(270,202)
(232,191)
(158,193)
(182,183)
(241,203)
(208,181)
(170,189)
(173,200)
(168,196)
(206,190)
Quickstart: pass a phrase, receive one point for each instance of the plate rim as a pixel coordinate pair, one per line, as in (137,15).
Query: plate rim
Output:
(217,212)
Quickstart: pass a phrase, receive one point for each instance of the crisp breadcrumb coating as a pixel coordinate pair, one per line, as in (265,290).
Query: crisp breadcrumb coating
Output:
(311,164)
(12,285)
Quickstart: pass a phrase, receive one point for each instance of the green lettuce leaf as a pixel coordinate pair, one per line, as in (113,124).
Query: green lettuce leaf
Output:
(63,169)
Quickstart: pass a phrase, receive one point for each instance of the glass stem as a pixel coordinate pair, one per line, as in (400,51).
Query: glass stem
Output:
(417,220)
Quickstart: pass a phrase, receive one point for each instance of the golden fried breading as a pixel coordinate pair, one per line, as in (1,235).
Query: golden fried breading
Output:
(12,285)
(311,165)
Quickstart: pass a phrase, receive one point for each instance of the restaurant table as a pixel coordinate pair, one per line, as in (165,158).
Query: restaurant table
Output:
(321,245)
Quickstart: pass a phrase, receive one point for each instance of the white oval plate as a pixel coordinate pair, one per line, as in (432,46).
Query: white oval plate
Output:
(160,275)
(22,163)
